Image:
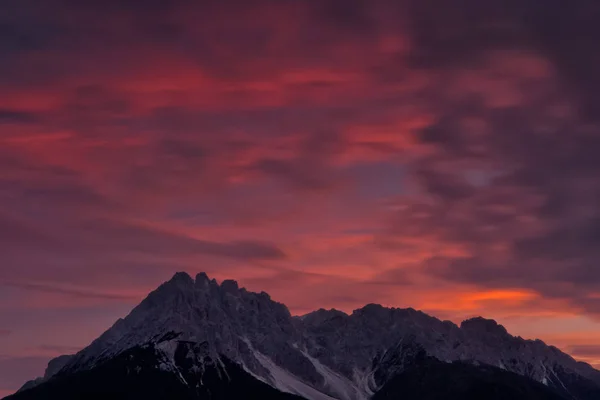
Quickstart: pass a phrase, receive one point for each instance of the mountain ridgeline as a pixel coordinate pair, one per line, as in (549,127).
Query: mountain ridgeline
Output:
(195,339)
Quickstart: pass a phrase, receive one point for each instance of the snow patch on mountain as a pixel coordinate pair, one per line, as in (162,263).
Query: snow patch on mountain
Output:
(339,385)
(287,382)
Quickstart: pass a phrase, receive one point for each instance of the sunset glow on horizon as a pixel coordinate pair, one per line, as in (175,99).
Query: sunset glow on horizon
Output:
(330,153)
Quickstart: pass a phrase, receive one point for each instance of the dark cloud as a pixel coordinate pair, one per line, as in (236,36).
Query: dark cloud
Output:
(297,173)
(353,17)
(477,271)
(448,35)
(509,180)
(76,293)
(121,236)
(458,35)
(94,102)
(584,350)
(245,250)
(182,149)
(394,277)
(60,350)
(69,196)
(5,332)
(17,233)
(563,243)
(16,36)
(17,117)
(310,167)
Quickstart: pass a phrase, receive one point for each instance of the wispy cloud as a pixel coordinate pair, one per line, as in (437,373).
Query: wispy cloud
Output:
(58,349)
(72,292)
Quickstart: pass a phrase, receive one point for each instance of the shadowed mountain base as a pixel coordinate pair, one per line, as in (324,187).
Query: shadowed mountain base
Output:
(137,374)
(431,379)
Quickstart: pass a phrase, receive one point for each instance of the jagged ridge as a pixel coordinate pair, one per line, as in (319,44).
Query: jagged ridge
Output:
(325,354)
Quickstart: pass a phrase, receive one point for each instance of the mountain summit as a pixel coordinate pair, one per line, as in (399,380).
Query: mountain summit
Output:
(196,339)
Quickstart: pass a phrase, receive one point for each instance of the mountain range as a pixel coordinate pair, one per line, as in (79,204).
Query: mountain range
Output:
(198,339)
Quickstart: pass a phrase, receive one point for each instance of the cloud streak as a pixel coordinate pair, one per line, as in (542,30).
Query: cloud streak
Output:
(74,293)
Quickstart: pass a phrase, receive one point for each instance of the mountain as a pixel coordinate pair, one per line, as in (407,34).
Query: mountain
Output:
(196,339)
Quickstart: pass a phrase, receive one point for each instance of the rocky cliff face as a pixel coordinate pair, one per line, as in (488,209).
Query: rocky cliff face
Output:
(379,331)
(323,355)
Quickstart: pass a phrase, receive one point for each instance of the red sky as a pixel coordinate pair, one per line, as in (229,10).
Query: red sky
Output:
(424,153)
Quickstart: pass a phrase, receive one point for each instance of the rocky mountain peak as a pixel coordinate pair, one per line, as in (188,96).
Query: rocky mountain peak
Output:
(56,364)
(372,310)
(202,280)
(322,355)
(483,326)
(182,277)
(230,286)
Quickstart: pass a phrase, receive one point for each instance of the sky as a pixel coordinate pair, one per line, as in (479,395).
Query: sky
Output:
(413,153)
